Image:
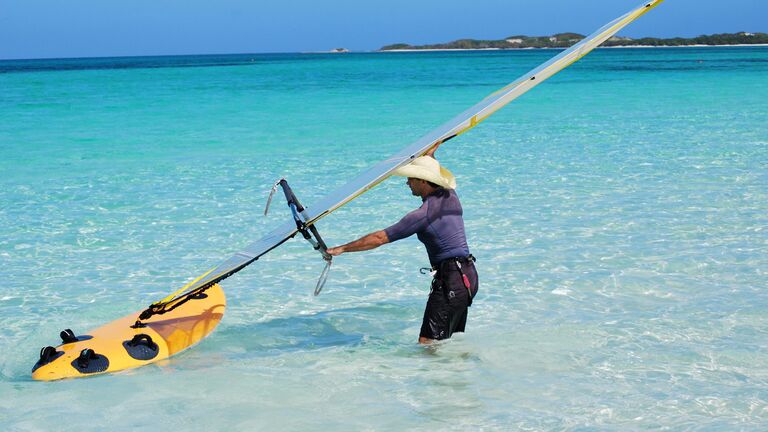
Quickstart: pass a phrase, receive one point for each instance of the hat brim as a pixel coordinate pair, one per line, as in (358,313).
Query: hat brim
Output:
(444,179)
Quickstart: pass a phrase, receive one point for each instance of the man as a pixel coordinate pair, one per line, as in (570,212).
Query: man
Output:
(438,223)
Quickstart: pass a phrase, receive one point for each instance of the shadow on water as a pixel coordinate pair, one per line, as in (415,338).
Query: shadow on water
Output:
(389,327)
(375,326)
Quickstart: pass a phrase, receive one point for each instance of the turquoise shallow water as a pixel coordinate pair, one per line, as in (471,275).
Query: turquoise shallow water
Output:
(619,213)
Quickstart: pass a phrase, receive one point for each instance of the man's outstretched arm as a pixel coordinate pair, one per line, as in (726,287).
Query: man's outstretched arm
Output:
(367,242)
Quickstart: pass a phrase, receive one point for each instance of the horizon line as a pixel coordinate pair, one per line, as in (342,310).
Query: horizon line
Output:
(378,50)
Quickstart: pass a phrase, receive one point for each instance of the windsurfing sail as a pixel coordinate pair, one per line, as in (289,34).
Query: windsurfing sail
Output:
(379,172)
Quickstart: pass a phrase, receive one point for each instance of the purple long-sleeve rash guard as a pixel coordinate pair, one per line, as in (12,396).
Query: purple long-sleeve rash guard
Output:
(438,223)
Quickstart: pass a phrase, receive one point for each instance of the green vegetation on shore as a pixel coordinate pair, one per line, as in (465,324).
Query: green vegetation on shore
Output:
(564,40)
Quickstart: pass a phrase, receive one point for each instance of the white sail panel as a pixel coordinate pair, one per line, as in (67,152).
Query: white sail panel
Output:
(458,125)
(474,115)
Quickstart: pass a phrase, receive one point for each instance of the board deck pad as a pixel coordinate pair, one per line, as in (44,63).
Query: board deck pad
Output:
(168,334)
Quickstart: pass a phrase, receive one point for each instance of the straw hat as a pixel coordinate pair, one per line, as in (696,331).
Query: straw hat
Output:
(429,169)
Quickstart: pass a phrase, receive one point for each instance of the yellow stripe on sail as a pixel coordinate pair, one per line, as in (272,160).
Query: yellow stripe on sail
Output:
(473,121)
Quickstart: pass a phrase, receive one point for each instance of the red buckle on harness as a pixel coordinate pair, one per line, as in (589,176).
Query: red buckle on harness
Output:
(464,277)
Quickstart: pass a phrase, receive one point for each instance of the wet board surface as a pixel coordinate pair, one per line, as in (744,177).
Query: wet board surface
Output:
(116,346)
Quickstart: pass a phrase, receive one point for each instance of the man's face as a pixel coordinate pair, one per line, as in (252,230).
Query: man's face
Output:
(415,185)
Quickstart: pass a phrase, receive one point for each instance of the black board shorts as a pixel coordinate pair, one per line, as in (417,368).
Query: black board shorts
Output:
(446,311)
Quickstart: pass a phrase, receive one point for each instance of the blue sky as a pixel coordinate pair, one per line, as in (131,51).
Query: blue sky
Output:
(92,28)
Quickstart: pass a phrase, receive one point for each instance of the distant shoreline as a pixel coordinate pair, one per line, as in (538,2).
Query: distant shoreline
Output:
(566,40)
(562,48)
